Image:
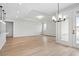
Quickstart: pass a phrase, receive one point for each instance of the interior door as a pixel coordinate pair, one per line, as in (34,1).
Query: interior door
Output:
(9,29)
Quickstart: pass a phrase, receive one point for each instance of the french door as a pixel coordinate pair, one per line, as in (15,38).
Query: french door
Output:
(63,32)
(76,31)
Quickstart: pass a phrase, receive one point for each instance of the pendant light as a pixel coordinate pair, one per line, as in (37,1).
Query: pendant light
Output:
(2,15)
(59,17)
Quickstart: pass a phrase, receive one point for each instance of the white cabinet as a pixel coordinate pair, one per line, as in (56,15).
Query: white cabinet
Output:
(2,34)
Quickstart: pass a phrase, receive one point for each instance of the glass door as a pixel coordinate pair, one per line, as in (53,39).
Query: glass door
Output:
(76,32)
(63,35)
(65,30)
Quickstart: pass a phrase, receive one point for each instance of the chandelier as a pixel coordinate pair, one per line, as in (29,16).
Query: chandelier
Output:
(59,17)
(2,15)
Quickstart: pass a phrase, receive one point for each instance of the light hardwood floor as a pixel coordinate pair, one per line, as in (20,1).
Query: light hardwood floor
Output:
(36,46)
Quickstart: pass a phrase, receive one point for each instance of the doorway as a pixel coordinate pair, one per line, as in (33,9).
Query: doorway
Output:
(9,29)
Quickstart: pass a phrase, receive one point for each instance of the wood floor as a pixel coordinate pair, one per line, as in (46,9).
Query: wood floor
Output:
(36,46)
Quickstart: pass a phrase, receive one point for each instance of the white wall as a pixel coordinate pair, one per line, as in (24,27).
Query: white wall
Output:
(50,29)
(26,28)
(32,26)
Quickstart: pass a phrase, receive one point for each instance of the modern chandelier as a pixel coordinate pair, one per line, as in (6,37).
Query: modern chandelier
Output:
(2,15)
(59,17)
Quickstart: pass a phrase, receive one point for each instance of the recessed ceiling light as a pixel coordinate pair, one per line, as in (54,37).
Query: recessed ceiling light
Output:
(40,17)
(20,3)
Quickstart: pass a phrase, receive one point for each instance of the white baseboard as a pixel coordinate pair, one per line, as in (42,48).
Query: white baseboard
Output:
(49,35)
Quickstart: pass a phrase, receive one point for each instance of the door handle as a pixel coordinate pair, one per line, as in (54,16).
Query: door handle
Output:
(73,32)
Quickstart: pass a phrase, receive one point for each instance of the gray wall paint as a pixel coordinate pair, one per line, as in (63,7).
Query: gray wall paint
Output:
(9,29)
(26,28)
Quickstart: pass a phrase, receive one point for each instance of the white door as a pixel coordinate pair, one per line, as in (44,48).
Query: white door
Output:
(9,29)
(76,31)
(63,29)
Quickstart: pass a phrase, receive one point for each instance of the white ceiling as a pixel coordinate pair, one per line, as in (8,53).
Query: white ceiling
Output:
(26,10)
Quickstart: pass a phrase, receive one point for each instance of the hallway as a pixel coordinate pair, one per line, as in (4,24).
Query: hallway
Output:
(36,46)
